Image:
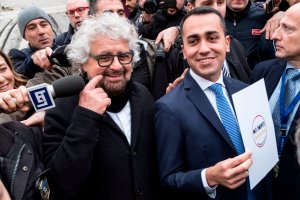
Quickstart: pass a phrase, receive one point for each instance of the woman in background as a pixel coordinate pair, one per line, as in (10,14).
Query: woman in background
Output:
(9,79)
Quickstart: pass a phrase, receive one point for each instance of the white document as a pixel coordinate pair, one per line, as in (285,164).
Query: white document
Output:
(257,129)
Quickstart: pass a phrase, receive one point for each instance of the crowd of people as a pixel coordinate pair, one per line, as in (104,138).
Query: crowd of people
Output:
(155,119)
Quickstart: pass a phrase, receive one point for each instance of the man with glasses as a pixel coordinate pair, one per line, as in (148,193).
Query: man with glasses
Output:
(141,70)
(100,144)
(77,12)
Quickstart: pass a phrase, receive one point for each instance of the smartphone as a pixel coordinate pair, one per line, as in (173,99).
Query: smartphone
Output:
(269,6)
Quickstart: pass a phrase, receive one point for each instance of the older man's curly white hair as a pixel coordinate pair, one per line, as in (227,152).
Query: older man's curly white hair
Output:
(105,24)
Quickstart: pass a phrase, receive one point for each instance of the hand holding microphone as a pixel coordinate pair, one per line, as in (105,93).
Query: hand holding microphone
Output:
(40,95)
(13,100)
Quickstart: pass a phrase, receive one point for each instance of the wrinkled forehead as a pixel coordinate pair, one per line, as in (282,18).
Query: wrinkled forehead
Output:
(290,15)
(72,4)
(37,21)
(109,5)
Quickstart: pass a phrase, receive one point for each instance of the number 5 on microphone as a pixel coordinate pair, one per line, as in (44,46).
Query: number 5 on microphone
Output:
(41,97)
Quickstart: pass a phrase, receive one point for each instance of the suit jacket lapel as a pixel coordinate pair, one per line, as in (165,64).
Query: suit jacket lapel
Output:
(136,115)
(293,126)
(231,61)
(273,77)
(198,98)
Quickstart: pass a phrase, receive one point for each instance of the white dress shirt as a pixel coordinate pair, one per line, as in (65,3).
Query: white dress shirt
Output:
(123,120)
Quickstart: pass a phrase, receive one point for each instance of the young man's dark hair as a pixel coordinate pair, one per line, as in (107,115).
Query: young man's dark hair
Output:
(203,10)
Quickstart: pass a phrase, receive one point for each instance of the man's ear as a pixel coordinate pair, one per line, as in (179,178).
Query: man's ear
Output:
(183,52)
(190,6)
(227,38)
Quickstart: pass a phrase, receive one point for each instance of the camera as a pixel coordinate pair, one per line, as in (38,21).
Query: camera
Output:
(58,57)
(151,6)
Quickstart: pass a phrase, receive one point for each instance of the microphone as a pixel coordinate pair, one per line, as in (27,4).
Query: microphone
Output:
(66,86)
(41,96)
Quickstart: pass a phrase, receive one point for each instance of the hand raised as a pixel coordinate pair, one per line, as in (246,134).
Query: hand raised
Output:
(94,98)
(41,58)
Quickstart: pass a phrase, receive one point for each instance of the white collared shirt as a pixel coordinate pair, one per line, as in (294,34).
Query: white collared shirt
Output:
(123,120)
(275,96)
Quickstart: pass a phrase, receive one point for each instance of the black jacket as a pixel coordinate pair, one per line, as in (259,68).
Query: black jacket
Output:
(65,38)
(160,22)
(23,63)
(286,185)
(245,25)
(90,157)
(21,160)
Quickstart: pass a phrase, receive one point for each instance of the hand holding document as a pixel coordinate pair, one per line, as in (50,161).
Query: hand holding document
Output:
(257,129)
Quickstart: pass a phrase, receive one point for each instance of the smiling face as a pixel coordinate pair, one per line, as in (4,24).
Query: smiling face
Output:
(39,34)
(286,34)
(116,76)
(205,45)
(7,80)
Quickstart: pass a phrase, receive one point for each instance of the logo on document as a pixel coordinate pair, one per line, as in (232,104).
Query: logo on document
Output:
(259,131)
(40,97)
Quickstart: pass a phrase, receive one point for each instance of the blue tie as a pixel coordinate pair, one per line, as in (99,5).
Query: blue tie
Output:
(289,93)
(227,118)
(230,123)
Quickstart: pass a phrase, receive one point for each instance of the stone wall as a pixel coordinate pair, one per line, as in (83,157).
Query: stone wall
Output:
(9,32)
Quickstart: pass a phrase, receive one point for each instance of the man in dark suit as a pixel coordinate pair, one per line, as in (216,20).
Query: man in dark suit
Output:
(100,144)
(282,78)
(198,156)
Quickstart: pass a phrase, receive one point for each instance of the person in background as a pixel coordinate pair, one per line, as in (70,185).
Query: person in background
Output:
(150,25)
(133,8)
(9,79)
(282,80)
(77,12)
(35,27)
(244,21)
(100,144)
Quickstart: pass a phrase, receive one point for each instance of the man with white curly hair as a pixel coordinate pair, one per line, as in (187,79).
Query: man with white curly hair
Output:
(100,144)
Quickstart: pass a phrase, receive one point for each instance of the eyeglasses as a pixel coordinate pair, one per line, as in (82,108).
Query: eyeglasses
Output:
(107,60)
(79,10)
